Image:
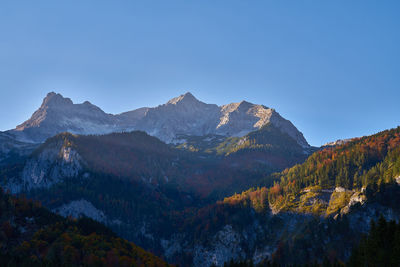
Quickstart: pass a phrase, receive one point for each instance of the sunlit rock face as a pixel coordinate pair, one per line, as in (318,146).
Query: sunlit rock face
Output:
(58,114)
(182,115)
(238,119)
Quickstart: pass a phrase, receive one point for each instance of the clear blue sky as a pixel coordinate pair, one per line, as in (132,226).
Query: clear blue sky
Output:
(331,67)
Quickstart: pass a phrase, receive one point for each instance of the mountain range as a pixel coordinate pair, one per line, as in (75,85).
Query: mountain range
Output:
(183,115)
(223,135)
(196,184)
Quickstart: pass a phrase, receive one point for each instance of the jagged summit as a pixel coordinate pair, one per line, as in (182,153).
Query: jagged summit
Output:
(244,104)
(59,114)
(57,100)
(53,98)
(52,95)
(186,98)
(182,115)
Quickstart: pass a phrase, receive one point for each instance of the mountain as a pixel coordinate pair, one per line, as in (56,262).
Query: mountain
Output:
(143,159)
(334,179)
(178,199)
(183,115)
(152,174)
(317,211)
(31,235)
(134,182)
(241,118)
(58,114)
(235,163)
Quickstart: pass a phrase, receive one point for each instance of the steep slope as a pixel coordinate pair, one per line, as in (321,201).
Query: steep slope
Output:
(58,114)
(241,118)
(128,120)
(341,176)
(268,149)
(30,235)
(134,182)
(236,164)
(243,227)
(183,115)
(141,187)
(141,158)
(316,211)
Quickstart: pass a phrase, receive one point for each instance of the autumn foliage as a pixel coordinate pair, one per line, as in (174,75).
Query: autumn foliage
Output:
(33,236)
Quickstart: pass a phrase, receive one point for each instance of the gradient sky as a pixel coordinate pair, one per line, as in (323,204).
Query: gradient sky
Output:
(331,67)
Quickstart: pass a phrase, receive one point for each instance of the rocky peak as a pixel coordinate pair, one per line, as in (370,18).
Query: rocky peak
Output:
(338,142)
(59,114)
(54,99)
(244,105)
(51,102)
(240,118)
(186,99)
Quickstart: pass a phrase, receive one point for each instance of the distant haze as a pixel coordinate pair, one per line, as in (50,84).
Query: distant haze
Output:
(331,68)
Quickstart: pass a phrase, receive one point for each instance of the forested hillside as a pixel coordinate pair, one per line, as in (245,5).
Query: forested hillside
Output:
(30,235)
(316,212)
(163,197)
(139,186)
(330,178)
(380,247)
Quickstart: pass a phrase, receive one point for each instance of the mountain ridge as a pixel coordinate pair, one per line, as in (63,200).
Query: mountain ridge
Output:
(184,114)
